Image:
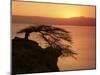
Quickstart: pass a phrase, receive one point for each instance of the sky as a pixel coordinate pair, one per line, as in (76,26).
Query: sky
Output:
(52,10)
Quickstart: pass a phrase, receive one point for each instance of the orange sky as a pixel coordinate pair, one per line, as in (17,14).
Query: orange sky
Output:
(51,10)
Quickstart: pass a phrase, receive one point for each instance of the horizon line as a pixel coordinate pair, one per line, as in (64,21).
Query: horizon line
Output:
(54,17)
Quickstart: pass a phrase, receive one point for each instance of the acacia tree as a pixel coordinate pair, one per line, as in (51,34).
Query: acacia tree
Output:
(53,36)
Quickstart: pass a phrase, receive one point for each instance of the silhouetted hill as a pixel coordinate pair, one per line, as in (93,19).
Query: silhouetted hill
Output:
(29,57)
(80,21)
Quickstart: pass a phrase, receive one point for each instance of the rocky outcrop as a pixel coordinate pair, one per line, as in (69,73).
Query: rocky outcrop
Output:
(29,57)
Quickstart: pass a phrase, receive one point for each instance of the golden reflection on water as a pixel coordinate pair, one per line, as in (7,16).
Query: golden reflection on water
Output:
(84,44)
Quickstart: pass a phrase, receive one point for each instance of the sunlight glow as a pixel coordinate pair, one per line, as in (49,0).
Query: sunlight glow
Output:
(51,10)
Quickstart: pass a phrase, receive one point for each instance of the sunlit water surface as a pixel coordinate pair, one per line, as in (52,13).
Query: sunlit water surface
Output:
(83,43)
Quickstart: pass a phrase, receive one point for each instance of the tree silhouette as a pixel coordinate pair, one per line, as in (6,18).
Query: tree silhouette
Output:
(39,59)
(53,36)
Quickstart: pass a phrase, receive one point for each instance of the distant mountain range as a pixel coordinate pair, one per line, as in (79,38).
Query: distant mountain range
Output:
(79,21)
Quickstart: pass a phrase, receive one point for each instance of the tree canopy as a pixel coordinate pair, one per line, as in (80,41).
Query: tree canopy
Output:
(53,36)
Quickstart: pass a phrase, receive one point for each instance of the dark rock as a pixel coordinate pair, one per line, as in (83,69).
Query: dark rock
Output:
(29,57)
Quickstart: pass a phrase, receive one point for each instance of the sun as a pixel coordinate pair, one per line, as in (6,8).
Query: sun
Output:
(72,13)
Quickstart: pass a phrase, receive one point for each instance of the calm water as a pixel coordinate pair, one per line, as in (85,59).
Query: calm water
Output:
(83,43)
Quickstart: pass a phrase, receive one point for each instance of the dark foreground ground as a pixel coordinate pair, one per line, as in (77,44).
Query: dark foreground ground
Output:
(29,57)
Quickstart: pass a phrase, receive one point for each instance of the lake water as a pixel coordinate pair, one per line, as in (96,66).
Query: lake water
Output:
(83,43)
